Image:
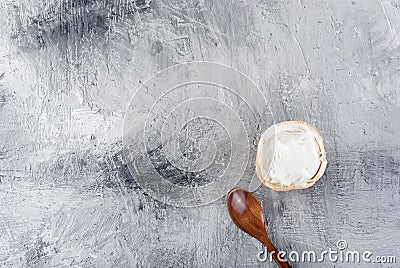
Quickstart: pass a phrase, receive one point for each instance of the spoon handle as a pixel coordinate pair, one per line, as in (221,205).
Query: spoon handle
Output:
(273,252)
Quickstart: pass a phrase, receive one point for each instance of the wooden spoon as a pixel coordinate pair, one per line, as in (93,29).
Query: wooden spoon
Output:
(246,213)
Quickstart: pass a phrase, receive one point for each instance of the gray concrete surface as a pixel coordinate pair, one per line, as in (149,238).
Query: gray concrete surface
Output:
(69,68)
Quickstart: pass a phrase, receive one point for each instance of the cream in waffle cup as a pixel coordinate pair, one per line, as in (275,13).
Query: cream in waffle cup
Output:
(290,155)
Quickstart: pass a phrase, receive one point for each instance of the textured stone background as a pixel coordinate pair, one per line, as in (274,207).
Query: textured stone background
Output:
(68,69)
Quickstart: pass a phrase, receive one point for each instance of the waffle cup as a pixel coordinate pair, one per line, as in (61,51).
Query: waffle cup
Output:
(320,171)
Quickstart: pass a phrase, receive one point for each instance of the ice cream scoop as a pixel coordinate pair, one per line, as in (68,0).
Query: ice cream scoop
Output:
(290,155)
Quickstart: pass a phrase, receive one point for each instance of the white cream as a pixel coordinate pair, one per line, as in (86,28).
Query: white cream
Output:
(289,154)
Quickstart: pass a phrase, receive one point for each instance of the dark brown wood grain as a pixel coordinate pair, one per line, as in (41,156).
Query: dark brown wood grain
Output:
(246,213)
